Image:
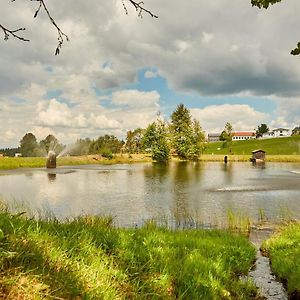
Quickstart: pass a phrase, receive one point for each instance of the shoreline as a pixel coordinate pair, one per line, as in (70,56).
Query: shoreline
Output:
(10,163)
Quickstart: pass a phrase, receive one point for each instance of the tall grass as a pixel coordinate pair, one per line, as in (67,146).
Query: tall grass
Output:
(284,252)
(88,258)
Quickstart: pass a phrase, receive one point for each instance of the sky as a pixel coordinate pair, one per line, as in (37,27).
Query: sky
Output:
(225,60)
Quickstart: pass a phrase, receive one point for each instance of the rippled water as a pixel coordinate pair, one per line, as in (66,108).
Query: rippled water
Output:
(137,192)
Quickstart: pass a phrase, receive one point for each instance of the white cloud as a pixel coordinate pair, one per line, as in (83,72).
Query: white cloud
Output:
(150,74)
(242,117)
(136,99)
(204,47)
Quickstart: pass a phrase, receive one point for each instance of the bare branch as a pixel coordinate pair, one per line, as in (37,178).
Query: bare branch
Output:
(139,8)
(14,33)
(61,35)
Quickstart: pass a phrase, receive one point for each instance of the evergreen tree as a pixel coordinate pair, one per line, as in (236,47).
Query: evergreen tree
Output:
(187,135)
(28,145)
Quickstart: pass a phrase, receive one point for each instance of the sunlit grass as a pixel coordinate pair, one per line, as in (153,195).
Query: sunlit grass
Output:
(7,163)
(285,146)
(88,258)
(283,249)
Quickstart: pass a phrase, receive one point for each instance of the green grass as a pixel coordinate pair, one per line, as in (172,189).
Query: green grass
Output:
(7,163)
(273,146)
(88,258)
(283,249)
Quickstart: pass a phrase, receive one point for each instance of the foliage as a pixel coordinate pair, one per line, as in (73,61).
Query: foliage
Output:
(28,145)
(51,143)
(10,151)
(105,143)
(156,139)
(284,252)
(88,258)
(107,153)
(81,147)
(265,4)
(263,128)
(187,135)
(133,142)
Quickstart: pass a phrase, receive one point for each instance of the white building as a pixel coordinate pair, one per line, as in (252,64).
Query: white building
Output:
(280,132)
(267,135)
(213,137)
(243,135)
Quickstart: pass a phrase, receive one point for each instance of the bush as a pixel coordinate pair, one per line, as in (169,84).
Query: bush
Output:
(107,154)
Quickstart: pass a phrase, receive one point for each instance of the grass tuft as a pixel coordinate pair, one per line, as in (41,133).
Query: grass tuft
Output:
(284,252)
(89,258)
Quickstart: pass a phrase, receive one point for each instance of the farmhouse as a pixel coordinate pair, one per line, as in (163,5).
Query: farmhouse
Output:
(213,137)
(243,135)
(296,130)
(280,132)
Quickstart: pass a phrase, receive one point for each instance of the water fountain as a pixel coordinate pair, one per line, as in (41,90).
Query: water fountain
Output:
(51,160)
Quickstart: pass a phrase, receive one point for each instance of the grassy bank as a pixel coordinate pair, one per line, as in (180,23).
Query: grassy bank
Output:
(274,146)
(89,259)
(283,249)
(245,158)
(7,163)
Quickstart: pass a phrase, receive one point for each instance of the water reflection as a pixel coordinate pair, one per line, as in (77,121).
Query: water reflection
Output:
(51,177)
(181,193)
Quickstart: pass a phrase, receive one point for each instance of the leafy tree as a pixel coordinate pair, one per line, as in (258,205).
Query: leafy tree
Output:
(156,138)
(134,141)
(105,144)
(29,145)
(226,136)
(263,128)
(81,147)
(265,4)
(51,143)
(187,135)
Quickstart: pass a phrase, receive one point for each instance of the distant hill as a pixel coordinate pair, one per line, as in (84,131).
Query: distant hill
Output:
(273,146)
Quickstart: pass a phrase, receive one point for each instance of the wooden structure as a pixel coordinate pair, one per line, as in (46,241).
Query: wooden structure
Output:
(258,155)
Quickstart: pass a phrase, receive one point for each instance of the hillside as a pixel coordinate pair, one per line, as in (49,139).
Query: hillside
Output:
(273,146)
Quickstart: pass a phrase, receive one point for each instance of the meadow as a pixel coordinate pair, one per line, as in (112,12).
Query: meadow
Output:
(274,146)
(88,258)
(284,252)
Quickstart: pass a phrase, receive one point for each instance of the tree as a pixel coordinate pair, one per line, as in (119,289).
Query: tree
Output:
(156,138)
(265,4)
(134,141)
(51,143)
(187,135)
(105,145)
(28,145)
(61,36)
(263,128)
(226,136)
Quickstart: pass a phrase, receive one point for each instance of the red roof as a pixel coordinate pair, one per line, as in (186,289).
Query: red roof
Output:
(244,133)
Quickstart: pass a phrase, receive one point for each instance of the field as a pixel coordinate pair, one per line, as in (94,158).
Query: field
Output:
(88,258)
(7,163)
(274,146)
(284,252)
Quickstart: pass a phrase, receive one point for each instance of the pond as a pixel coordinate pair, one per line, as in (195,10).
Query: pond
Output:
(178,192)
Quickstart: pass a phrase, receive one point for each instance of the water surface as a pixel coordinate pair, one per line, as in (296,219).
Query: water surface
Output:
(177,191)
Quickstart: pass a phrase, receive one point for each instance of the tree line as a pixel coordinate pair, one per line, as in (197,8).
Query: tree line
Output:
(181,136)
